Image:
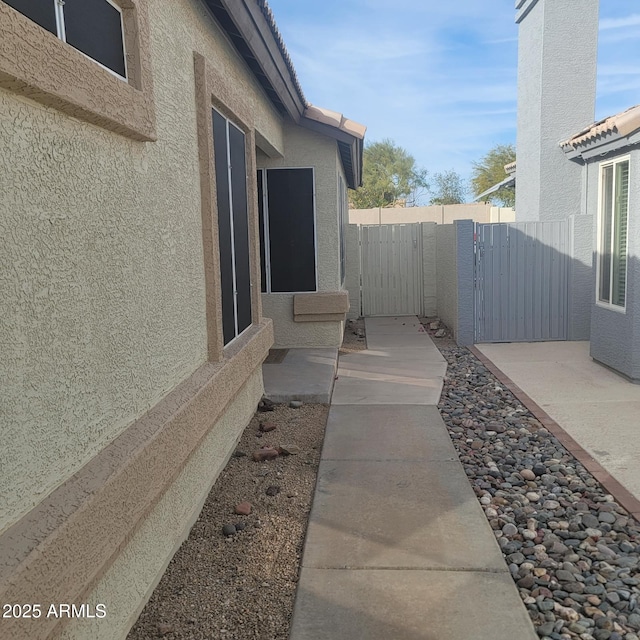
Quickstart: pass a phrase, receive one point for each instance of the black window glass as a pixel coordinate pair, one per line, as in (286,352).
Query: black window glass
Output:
(95,28)
(224,225)
(240,226)
(263,258)
(291,230)
(42,12)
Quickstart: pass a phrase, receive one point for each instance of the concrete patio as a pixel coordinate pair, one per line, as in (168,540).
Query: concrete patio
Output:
(596,407)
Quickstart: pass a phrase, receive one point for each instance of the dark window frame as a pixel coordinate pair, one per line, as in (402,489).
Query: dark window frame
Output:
(265,239)
(238,317)
(60,33)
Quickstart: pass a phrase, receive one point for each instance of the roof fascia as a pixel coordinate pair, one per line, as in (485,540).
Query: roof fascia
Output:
(355,145)
(256,32)
(598,149)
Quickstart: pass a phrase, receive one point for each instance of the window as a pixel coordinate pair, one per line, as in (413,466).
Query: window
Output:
(287,225)
(94,27)
(233,226)
(612,232)
(343,209)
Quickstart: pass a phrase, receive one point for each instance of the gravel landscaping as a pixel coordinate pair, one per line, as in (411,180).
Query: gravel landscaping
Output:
(572,551)
(235,576)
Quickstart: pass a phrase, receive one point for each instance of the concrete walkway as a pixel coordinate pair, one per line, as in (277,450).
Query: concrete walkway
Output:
(596,407)
(398,547)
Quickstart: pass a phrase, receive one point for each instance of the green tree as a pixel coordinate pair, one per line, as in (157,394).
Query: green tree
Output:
(389,177)
(449,188)
(490,170)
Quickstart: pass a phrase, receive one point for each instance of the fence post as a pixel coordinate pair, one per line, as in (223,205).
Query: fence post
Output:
(464,279)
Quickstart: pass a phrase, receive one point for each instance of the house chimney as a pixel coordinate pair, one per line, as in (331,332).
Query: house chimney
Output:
(557,56)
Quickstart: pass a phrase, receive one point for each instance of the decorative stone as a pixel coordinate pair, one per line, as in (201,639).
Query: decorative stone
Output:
(266,453)
(289,449)
(295,404)
(265,427)
(229,530)
(243,509)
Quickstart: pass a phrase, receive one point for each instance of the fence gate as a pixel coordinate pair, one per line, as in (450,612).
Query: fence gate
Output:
(391,269)
(521,281)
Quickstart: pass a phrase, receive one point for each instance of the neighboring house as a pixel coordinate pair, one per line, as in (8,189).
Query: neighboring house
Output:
(587,174)
(148,147)
(609,152)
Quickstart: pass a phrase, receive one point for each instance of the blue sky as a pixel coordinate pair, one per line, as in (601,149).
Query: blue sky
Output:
(437,77)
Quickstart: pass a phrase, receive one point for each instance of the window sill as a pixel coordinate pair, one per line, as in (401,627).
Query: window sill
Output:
(611,307)
(37,65)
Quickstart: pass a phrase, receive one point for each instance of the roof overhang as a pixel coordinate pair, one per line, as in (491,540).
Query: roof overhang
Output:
(348,134)
(606,136)
(250,26)
(508,182)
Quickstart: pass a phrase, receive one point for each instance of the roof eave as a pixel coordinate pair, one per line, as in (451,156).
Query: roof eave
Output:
(601,146)
(348,144)
(252,30)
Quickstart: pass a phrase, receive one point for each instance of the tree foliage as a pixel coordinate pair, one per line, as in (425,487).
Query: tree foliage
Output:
(490,170)
(449,188)
(389,177)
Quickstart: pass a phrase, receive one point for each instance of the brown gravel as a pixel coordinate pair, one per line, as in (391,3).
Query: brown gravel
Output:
(244,586)
(354,336)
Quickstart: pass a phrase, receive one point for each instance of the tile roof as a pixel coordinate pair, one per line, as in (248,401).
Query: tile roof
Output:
(336,120)
(622,124)
(510,167)
(268,14)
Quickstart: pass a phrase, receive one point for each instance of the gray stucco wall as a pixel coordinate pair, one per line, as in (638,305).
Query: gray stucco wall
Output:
(615,335)
(581,277)
(557,53)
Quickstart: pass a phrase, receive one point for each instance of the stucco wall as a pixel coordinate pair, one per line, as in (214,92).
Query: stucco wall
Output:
(615,335)
(127,585)
(554,101)
(581,277)
(101,267)
(304,148)
(429,269)
(444,214)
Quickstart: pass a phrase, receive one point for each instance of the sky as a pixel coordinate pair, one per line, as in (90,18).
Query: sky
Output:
(438,77)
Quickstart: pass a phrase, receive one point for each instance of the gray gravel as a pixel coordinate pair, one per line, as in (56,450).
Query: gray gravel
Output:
(571,549)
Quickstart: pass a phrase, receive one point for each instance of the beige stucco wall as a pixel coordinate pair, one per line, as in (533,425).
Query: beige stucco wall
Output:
(101,268)
(305,148)
(444,214)
(129,582)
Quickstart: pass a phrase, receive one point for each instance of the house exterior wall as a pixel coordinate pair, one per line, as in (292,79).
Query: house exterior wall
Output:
(441,214)
(615,335)
(106,364)
(305,148)
(581,277)
(554,101)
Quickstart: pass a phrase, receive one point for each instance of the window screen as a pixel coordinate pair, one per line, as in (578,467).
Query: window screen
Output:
(233,226)
(224,225)
(42,12)
(240,227)
(95,28)
(291,227)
